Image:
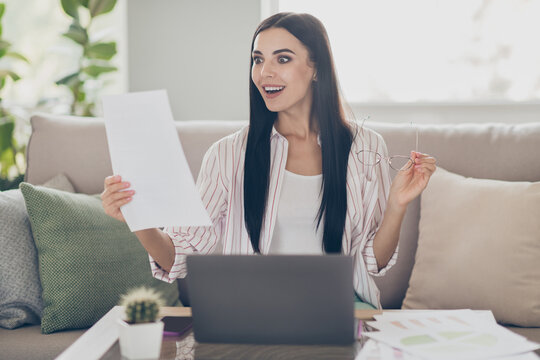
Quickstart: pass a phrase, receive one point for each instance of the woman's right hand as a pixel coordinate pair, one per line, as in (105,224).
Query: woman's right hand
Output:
(115,196)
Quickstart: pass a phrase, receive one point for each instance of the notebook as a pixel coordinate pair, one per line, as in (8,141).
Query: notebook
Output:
(273,299)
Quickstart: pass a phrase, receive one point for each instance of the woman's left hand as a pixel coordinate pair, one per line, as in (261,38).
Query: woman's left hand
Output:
(408,184)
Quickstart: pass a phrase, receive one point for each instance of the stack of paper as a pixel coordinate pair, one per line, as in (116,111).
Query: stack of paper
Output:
(444,334)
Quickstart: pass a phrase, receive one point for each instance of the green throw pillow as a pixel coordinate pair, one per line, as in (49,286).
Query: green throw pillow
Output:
(87,260)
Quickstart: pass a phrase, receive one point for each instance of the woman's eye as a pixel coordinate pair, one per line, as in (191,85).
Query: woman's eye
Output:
(283,59)
(257,60)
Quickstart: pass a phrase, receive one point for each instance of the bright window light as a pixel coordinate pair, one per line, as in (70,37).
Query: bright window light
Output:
(454,51)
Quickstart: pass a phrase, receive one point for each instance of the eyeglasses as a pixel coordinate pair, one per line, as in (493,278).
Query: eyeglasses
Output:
(396,162)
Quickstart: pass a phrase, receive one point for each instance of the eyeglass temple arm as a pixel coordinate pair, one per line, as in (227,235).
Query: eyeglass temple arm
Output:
(416,140)
(416,149)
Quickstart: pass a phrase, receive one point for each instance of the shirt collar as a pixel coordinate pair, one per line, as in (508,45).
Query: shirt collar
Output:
(276,134)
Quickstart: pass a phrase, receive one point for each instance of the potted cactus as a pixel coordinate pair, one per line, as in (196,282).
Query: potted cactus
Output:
(140,332)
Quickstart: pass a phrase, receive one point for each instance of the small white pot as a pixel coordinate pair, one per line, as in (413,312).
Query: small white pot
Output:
(140,341)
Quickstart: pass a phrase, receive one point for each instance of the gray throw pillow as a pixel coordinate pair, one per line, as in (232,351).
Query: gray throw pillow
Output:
(20,287)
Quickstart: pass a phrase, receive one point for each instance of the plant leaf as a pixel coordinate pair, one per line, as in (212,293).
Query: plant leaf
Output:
(77,33)
(81,96)
(98,7)
(69,79)
(104,51)
(16,55)
(71,7)
(6,134)
(4,46)
(2,9)
(7,161)
(84,3)
(11,74)
(96,70)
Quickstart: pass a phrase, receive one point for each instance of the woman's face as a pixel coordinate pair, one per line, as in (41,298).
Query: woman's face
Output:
(282,70)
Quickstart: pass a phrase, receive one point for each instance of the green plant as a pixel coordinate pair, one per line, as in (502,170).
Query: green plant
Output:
(94,60)
(141,305)
(11,170)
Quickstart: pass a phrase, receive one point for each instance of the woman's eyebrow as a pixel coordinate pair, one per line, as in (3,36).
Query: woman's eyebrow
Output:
(283,50)
(275,52)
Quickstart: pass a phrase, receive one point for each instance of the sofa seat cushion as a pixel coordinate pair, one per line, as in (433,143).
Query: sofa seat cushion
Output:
(478,248)
(27,342)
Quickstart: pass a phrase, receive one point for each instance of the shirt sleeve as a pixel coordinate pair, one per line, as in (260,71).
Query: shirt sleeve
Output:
(198,239)
(377,183)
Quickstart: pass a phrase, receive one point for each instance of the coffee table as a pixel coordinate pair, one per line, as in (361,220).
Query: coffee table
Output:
(184,346)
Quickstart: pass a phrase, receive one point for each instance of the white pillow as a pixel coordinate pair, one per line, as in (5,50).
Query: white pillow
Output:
(478,248)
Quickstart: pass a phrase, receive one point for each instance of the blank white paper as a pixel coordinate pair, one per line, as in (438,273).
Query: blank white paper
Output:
(146,151)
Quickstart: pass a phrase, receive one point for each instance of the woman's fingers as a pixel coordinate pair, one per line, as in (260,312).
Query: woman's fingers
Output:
(119,195)
(110,180)
(115,195)
(113,185)
(120,202)
(420,158)
(426,168)
(117,187)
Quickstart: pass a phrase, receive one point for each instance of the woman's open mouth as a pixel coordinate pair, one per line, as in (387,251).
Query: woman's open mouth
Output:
(273,91)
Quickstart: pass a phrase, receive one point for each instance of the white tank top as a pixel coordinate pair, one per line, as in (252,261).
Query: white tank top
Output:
(296,221)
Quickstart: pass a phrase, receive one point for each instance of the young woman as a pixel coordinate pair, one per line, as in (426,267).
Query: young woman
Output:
(293,181)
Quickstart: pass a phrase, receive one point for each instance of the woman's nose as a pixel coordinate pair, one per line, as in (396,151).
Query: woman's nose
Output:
(267,70)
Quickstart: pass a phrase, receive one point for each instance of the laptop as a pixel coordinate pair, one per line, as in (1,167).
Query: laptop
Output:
(272,299)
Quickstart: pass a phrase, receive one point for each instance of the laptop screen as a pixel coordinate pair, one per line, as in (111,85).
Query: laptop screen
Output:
(274,299)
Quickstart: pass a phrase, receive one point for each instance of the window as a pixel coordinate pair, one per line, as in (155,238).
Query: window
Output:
(429,51)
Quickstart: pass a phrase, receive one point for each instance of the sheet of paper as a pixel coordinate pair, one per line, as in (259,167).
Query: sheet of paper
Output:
(146,151)
(442,334)
(433,320)
(373,350)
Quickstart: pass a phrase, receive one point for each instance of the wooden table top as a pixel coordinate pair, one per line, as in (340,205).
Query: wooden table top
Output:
(186,312)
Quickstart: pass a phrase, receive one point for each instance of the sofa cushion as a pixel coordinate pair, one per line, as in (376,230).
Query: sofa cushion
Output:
(20,289)
(86,258)
(478,248)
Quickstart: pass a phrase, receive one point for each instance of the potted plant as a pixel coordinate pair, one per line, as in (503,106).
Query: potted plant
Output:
(12,151)
(140,332)
(95,55)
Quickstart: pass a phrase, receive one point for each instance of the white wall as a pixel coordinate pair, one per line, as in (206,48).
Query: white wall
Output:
(197,50)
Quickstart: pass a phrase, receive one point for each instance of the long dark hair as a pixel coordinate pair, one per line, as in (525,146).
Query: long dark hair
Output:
(335,135)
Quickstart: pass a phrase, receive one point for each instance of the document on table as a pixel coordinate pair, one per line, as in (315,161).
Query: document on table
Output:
(146,151)
(442,334)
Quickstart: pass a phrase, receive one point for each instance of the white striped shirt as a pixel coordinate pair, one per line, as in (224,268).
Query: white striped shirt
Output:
(221,185)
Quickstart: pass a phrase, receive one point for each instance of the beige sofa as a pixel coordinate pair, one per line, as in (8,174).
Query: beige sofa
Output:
(77,147)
